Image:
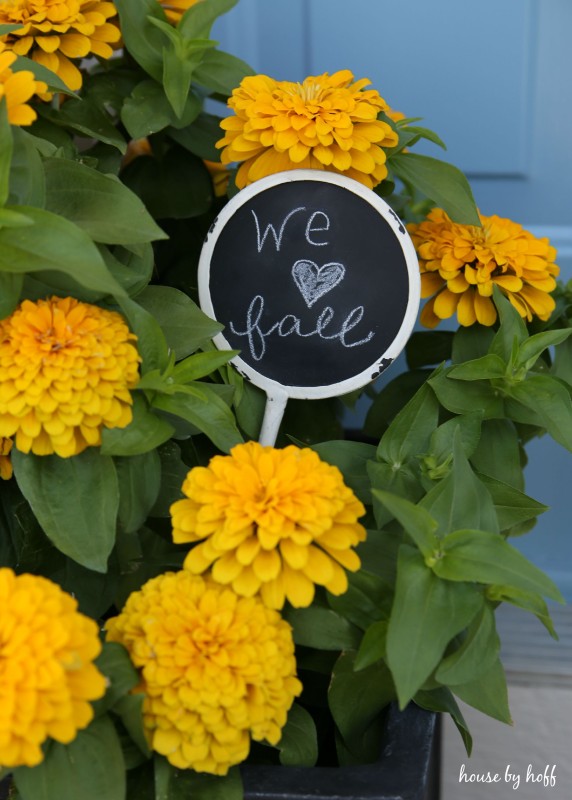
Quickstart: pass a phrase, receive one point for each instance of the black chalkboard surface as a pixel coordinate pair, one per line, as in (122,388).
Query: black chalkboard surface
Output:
(315,280)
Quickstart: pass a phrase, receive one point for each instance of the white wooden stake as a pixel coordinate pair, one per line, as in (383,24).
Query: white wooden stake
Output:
(273,413)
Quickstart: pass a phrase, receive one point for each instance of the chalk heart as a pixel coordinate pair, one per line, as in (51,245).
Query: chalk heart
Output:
(314,281)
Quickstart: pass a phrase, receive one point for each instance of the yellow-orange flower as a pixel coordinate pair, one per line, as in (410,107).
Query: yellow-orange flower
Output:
(216,669)
(5,462)
(174,9)
(220,176)
(326,122)
(460,265)
(395,115)
(54,31)
(17,88)
(274,521)
(65,372)
(47,677)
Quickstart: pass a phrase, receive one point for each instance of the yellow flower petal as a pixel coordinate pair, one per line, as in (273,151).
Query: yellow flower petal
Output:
(219,672)
(48,677)
(52,340)
(297,506)
(500,252)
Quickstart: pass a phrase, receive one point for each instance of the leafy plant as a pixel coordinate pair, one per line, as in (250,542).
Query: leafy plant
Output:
(106,199)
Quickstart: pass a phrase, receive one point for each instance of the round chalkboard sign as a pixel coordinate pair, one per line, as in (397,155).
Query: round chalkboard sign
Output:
(315,280)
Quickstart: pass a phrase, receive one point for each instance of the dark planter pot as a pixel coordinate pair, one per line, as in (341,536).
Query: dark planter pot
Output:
(408,768)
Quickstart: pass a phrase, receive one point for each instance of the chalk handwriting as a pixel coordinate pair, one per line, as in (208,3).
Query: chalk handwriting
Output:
(314,281)
(291,325)
(311,228)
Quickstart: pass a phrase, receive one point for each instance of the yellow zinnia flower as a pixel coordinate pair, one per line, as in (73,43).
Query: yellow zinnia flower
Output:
(55,31)
(274,521)
(220,176)
(174,9)
(47,677)
(326,122)
(216,669)
(18,88)
(65,372)
(460,265)
(5,462)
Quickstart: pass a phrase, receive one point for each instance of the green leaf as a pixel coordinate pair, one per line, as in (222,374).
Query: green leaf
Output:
(364,601)
(441,182)
(528,601)
(424,133)
(466,426)
(461,500)
(426,348)
(4,29)
(298,745)
(409,432)
(131,271)
(211,416)
(10,290)
(27,180)
(75,501)
(144,433)
(442,700)
(321,628)
(41,73)
(86,117)
(427,613)
(6,147)
(143,40)
(390,400)
(201,364)
(404,482)
(90,767)
(373,645)
(351,458)
(512,330)
(498,454)
(550,400)
(463,397)
(139,482)
(176,186)
(477,653)
(198,19)
(476,555)
(471,343)
(185,326)
(13,219)
(416,521)
(180,58)
(532,348)
(147,110)
(98,204)
(489,366)
(54,243)
(173,473)
(221,72)
(200,137)
(129,709)
(562,366)
(94,592)
(512,506)
(121,676)
(151,342)
(357,698)
(488,693)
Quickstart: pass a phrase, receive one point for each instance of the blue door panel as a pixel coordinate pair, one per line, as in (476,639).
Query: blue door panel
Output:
(494,79)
